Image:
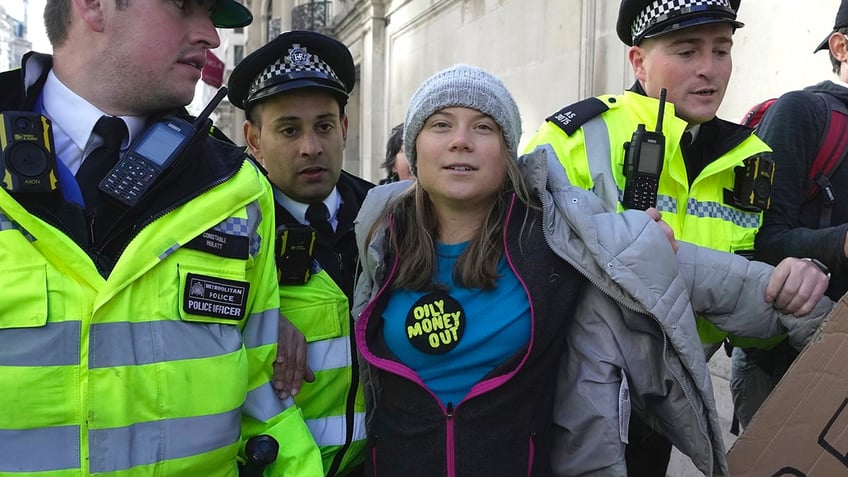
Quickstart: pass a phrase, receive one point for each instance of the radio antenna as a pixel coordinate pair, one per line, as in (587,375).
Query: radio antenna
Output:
(662,111)
(207,111)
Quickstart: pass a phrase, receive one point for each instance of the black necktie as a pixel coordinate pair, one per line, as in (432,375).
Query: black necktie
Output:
(318,215)
(101,160)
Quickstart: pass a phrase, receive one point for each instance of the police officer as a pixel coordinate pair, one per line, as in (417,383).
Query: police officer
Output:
(682,47)
(136,337)
(294,91)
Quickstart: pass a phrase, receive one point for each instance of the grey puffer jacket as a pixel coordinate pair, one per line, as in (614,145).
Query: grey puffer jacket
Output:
(634,333)
(634,341)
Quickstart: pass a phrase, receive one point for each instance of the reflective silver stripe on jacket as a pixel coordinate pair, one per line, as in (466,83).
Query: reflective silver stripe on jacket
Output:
(330,431)
(45,449)
(55,344)
(262,328)
(741,218)
(596,140)
(156,441)
(8,224)
(254,218)
(597,143)
(171,249)
(329,354)
(128,344)
(263,404)
(665,203)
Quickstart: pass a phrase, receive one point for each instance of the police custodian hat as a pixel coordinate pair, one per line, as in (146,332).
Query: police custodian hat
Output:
(640,19)
(293,60)
(840,22)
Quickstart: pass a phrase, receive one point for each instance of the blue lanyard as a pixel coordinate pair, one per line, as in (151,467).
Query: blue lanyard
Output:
(67,182)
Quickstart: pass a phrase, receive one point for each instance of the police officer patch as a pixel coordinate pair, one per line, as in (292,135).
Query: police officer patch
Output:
(214,296)
(435,323)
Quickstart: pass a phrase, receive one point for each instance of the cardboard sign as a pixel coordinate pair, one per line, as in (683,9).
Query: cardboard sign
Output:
(802,428)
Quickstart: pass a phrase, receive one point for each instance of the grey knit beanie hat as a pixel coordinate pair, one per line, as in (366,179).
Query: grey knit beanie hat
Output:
(463,86)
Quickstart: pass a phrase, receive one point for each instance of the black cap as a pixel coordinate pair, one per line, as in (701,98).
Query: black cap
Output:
(293,60)
(230,14)
(841,21)
(640,19)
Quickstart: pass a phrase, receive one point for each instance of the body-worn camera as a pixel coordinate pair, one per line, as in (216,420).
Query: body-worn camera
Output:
(294,246)
(752,184)
(28,158)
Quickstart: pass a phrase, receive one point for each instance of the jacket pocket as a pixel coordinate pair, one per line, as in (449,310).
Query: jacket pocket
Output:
(25,288)
(317,308)
(319,322)
(741,244)
(212,296)
(624,409)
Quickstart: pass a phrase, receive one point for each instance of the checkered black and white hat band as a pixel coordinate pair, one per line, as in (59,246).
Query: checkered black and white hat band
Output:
(662,10)
(299,62)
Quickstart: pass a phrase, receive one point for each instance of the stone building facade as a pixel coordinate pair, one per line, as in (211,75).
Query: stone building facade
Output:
(549,53)
(13,36)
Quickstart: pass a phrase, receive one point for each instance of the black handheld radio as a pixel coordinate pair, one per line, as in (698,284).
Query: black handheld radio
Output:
(153,154)
(643,163)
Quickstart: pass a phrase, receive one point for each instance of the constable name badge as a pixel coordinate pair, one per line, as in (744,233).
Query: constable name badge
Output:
(221,244)
(215,297)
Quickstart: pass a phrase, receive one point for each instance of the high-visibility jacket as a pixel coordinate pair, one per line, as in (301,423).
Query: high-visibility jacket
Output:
(591,149)
(162,368)
(332,405)
(117,376)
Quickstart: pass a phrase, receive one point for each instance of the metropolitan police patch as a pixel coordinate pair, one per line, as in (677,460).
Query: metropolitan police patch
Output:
(216,297)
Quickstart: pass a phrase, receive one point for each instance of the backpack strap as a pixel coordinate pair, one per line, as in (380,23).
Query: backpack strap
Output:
(755,114)
(833,148)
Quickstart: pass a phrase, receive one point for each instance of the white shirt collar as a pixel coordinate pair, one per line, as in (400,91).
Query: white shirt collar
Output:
(298,209)
(73,120)
(694,132)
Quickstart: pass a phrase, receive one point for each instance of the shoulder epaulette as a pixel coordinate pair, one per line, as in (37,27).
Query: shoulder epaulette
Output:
(571,117)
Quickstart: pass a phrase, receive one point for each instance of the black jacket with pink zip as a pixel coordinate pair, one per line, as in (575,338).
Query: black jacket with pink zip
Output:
(503,426)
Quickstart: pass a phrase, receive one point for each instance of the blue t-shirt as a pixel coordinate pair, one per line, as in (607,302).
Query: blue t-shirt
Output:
(454,338)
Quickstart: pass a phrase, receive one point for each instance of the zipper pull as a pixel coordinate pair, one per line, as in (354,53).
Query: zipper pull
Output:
(450,410)
(91,215)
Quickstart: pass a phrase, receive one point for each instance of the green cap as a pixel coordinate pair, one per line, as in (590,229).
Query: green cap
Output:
(231,14)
